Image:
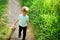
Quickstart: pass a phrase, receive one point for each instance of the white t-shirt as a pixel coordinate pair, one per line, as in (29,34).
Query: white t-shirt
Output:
(23,20)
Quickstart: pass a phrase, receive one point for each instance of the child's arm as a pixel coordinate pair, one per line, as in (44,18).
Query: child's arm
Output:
(16,22)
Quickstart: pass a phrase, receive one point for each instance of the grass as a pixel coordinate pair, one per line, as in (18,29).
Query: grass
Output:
(5,31)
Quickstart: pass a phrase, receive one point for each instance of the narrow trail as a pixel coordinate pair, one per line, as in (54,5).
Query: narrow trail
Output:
(14,11)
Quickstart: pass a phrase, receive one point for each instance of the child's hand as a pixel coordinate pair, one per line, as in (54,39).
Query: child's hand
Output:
(12,26)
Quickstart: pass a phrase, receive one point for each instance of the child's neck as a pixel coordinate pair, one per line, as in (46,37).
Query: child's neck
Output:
(24,14)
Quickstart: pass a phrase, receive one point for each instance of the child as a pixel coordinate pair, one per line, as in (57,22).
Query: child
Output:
(23,20)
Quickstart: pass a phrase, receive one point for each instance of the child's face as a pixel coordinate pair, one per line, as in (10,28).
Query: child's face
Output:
(24,13)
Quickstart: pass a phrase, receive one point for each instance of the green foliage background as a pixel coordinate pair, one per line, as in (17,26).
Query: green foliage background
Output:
(44,18)
(4,29)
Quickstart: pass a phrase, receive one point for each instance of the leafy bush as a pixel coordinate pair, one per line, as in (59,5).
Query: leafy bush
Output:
(44,18)
(4,29)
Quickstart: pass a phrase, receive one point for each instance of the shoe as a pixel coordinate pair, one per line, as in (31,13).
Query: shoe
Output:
(23,39)
(19,36)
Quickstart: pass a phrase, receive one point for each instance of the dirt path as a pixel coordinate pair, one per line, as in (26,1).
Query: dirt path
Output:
(14,11)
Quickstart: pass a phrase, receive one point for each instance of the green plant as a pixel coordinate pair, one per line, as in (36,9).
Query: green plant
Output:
(4,29)
(44,18)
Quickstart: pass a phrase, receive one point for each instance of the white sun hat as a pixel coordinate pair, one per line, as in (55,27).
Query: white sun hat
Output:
(26,8)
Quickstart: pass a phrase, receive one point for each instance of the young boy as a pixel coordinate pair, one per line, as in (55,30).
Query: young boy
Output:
(23,20)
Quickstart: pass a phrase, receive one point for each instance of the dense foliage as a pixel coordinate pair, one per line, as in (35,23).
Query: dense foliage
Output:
(45,18)
(3,19)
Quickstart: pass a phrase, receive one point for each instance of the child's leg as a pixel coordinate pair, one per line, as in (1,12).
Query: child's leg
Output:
(24,32)
(20,29)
